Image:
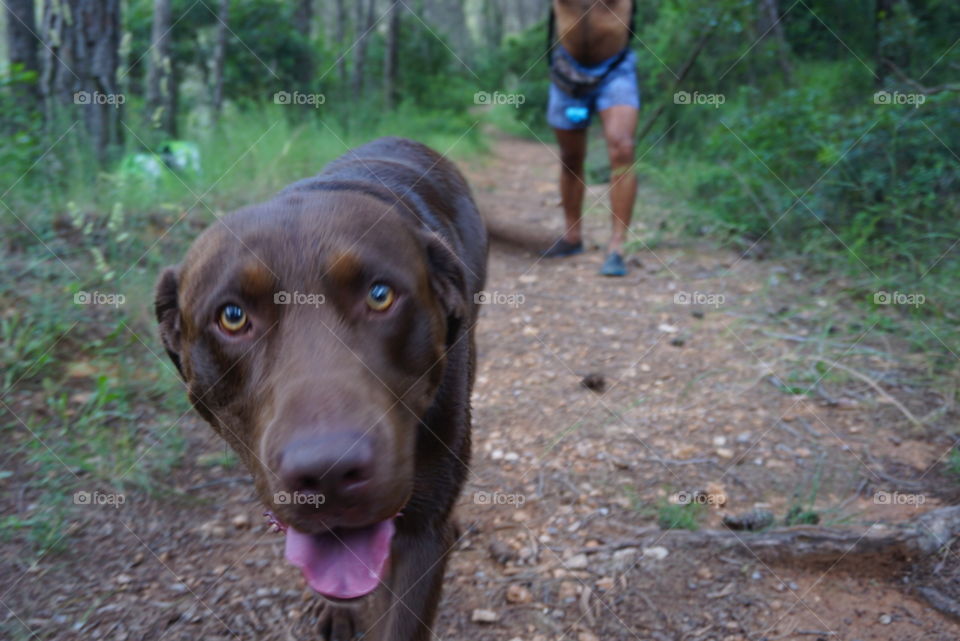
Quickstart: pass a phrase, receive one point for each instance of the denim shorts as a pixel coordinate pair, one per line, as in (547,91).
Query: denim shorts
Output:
(618,88)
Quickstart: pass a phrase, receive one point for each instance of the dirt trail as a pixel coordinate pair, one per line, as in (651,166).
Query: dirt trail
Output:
(562,473)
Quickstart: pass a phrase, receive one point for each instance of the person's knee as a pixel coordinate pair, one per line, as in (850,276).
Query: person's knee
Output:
(621,150)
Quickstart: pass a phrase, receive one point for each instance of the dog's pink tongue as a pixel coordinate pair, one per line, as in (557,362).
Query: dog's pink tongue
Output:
(344,564)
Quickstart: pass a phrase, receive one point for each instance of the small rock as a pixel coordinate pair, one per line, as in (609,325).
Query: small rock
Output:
(501,552)
(658,553)
(886,619)
(484,616)
(605,584)
(241,521)
(577,562)
(518,594)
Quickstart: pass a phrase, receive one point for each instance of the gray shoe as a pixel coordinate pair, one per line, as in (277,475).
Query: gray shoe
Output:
(613,265)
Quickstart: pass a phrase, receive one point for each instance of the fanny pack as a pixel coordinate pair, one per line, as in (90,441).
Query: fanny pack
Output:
(573,82)
(566,76)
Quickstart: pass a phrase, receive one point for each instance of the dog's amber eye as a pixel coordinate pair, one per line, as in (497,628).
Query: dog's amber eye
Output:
(233,319)
(380,297)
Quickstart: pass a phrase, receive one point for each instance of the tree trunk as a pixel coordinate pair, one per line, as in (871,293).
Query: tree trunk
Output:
(493,23)
(341,22)
(883,12)
(80,62)
(22,45)
(160,112)
(303,22)
(364,20)
(219,54)
(772,26)
(392,55)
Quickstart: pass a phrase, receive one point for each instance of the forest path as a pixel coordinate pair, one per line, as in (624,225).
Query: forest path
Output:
(718,399)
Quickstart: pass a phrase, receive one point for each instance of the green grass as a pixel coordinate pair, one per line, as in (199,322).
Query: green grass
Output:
(679,516)
(953,463)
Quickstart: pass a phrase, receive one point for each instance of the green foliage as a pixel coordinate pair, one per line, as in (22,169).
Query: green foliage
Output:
(679,516)
(21,131)
(953,463)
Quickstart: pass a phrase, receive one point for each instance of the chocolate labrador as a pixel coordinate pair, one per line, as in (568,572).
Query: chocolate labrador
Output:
(327,336)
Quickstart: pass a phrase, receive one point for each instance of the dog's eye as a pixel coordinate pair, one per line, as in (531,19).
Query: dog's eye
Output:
(233,319)
(380,297)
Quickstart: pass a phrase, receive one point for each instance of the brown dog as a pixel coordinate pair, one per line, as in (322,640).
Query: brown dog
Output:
(327,335)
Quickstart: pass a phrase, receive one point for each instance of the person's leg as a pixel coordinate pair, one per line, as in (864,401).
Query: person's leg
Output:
(573,152)
(619,129)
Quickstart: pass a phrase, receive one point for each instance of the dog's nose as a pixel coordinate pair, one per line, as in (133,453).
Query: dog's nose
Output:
(334,467)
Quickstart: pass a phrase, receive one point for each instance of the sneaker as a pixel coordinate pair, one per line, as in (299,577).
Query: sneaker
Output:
(562,249)
(613,265)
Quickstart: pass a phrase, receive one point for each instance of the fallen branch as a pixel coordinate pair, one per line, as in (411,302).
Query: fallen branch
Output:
(684,70)
(927,91)
(876,386)
(940,602)
(922,536)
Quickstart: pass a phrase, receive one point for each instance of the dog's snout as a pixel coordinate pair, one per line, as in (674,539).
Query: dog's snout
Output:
(337,467)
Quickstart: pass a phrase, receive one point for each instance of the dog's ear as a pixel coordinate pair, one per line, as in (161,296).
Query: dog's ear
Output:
(168,313)
(449,283)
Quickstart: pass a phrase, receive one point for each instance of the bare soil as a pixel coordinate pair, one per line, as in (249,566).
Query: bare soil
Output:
(560,516)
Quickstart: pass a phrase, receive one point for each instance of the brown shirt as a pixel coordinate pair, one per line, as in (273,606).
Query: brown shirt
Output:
(592,30)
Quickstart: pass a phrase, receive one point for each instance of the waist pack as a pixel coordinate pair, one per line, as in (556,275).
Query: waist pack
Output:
(573,82)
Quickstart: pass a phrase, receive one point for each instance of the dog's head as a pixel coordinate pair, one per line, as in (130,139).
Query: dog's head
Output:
(311,332)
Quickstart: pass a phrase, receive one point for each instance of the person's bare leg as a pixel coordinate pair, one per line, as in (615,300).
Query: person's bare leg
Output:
(573,152)
(619,129)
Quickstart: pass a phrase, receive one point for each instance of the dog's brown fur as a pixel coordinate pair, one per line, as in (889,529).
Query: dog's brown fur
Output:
(392,210)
